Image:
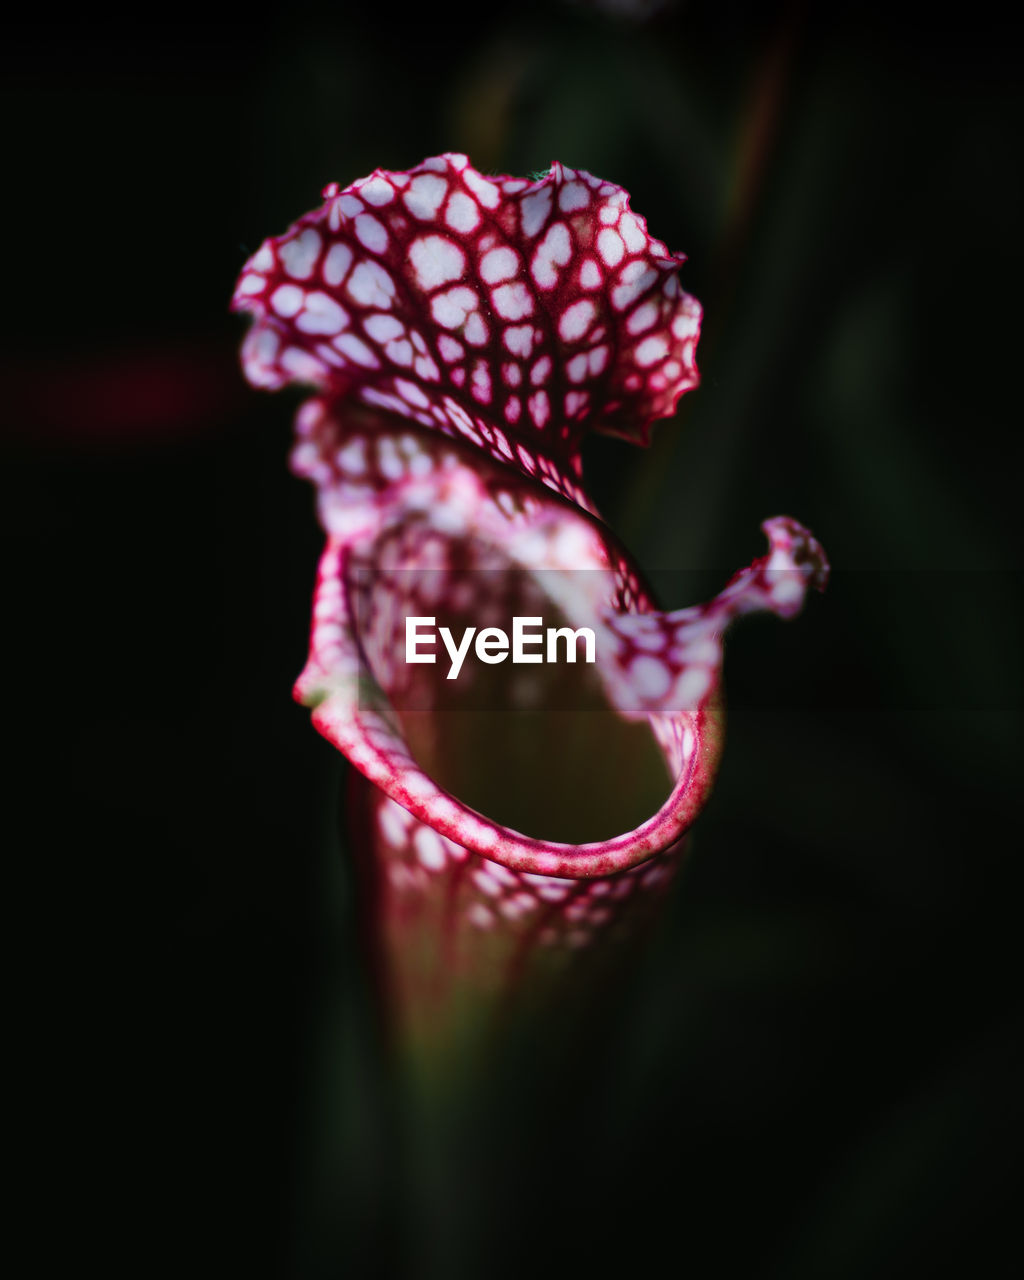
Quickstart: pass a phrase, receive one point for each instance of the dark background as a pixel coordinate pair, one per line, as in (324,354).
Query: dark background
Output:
(813,1072)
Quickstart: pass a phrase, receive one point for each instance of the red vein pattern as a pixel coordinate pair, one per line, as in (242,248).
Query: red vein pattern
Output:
(513,314)
(460,335)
